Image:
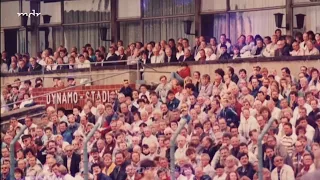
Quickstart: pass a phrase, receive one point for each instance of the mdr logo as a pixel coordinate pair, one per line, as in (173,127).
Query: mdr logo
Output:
(32,13)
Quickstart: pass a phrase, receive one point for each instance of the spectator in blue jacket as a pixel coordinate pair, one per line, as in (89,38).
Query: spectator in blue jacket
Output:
(126,89)
(172,101)
(64,131)
(229,114)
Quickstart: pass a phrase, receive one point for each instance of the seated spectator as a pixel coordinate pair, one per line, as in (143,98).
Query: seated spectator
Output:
(241,42)
(258,49)
(27,102)
(112,57)
(99,60)
(224,55)
(180,51)
(317,43)
(202,56)
(34,66)
(13,68)
(169,57)
(83,63)
(297,51)
(223,41)
(246,50)
(210,54)
(310,49)
(157,57)
(122,56)
(236,53)
(22,67)
(60,64)
(181,73)
(50,65)
(305,39)
(187,56)
(270,49)
(282,49)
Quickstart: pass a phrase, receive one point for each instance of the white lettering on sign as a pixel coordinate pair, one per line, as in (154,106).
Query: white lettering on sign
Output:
(74,97)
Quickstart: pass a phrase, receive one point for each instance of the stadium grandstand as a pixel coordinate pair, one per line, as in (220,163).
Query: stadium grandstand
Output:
(160,89)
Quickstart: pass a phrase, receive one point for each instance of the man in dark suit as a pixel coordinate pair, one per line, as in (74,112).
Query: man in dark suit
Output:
(173,47)
(196,48)
(169,57)
(34,66)
(119,172)
(126,89)
(71,161)
(122,56)
(283,49)
(22,66)
(187,56)
(112,57)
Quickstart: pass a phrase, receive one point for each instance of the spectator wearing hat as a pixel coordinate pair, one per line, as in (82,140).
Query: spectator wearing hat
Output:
(220,174)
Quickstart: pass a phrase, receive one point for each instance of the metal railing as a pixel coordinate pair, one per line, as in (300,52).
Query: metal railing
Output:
(12,151)
(172,148)
(260,150)
(85,151)
(56,71)
(67,88)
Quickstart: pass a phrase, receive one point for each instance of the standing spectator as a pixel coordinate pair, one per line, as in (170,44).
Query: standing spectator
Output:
(126,89)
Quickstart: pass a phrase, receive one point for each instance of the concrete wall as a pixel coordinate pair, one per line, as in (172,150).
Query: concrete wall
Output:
(112,76)
(153,76)
(101,77)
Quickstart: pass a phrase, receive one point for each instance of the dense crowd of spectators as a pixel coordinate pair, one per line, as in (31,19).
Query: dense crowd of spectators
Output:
(306,44)
(223,116)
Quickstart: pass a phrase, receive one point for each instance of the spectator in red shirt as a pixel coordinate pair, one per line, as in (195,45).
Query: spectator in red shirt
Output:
(181,73)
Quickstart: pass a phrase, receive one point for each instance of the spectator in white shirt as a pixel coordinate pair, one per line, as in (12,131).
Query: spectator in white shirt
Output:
(297,50)
(271,48)
(309,129)
(303,44)
(311,50)
(181,151)
(246,50)
(209,54)
(247,123)
(223,40)
(180,51)
(207,168)
(157,57)
(83,63)
(134,58)
(220,174)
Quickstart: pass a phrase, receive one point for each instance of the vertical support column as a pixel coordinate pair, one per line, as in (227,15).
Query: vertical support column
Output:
(115,30)
(141,21)
(62,22)
(289,17)
(197,18)
(35,21)
(228,18)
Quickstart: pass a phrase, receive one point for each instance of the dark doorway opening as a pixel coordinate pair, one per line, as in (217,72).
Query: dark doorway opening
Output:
(207,26)
(10,41)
